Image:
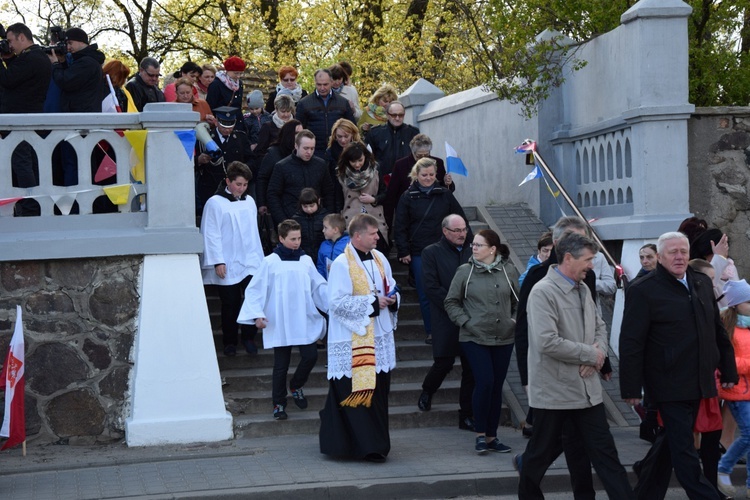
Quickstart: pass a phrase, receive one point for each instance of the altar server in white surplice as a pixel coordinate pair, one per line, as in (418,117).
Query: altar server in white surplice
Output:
(285,299)
(363,300)
(232,252)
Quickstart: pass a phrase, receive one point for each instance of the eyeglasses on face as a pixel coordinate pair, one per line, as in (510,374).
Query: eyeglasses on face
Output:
(458,230)
(479,245)
(153,75)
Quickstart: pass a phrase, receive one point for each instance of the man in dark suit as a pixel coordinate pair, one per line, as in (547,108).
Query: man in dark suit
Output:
(439,263)
(234,146)
(671,344)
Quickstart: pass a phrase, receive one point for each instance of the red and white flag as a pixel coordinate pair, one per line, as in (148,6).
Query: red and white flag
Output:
(14,422)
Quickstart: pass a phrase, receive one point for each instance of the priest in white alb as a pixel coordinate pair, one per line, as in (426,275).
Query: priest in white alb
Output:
(363,300)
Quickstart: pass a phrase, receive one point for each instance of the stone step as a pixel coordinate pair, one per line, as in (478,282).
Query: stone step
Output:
(406,350)
(409,329)
(308,422)
(403,394)
(260,379)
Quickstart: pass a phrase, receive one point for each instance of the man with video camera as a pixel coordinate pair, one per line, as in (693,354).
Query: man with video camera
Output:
(25,74)
(79,74)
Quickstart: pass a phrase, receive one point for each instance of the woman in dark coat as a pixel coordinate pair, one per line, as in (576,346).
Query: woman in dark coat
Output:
(226,89)
(418,220)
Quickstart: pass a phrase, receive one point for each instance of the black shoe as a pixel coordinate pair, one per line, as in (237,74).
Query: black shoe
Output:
(230,351)
(279,413)
(376,458)
(428,340)
(466,423)
(425,401)
(299,398)
(527,431)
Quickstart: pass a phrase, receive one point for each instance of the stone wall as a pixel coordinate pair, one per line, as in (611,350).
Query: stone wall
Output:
(719,166)
(79,319)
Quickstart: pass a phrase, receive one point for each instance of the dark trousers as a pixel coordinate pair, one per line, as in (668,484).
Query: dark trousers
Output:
(593,431)
(440,369)
(282,356)
(674,448)
(489,364)
(231,297)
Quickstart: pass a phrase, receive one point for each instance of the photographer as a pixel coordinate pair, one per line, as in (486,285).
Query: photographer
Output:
(25,74)
(79,74)
(24,77)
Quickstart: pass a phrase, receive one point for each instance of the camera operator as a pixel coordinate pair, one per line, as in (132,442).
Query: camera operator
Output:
(79,74)
(24,77)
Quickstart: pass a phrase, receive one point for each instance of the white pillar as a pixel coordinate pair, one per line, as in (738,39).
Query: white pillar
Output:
(176,394)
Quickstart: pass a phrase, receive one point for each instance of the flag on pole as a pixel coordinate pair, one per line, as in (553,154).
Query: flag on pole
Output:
(454,165)
(14,421)
(528,146)
(534,174)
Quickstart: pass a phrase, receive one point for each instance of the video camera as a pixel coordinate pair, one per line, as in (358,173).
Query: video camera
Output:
(57,45)
(4,45)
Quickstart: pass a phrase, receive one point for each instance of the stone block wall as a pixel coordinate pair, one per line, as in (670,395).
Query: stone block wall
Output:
(79,318)
(719,169)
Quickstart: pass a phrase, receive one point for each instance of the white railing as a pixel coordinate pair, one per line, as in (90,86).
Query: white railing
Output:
(156,215)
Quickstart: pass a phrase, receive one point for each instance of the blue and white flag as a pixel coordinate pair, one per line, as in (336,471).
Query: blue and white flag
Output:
(454,165)
(534,174)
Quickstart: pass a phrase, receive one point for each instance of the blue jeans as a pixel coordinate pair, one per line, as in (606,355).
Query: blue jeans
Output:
(489,364)
(741,413)
(424,303)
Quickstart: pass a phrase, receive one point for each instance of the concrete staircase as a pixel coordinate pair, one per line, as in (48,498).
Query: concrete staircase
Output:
(248,378)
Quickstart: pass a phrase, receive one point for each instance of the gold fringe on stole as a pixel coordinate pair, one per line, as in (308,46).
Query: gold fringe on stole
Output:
(363,347)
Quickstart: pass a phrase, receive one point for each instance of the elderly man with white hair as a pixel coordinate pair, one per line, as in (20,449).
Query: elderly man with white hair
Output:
(671,344)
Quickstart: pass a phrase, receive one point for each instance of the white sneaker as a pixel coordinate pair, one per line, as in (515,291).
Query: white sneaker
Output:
(724,483)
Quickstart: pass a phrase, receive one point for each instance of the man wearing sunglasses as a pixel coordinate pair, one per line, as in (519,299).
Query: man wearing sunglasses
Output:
(390,142)
(144,87)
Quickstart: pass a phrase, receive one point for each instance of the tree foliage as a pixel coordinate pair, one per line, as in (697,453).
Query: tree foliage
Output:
(456,44)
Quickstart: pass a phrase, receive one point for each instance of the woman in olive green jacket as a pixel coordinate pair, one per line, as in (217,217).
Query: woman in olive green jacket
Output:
(482,302)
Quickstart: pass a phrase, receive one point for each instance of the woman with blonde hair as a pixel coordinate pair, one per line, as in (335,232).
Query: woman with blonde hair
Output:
(183,88)
(374,114)
(418,223)
(343,133)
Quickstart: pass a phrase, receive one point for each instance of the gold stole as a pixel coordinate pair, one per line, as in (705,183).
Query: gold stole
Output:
(363,346)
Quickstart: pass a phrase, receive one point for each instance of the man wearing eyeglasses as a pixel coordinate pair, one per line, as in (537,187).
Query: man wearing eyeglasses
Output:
(390,142)
(144,87)
(439,263)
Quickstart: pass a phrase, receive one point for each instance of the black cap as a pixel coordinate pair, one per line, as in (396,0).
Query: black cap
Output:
(226,115)
(77,35)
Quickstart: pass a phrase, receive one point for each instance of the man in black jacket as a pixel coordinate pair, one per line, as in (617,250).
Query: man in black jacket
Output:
(143,87)
(321,109)
(671,343)
(234,145)
(24,79)
(297,171)
(390,142)
(439,263)
(79,74)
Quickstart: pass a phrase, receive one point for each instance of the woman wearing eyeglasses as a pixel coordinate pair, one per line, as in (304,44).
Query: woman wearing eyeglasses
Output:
(418,223)
(482,302)
(287,85)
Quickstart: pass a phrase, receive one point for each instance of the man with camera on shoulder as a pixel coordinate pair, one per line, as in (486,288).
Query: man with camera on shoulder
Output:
(79,74)
(25,74)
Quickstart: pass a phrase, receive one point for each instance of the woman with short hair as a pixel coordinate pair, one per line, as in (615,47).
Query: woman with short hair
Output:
(287,86)
(284,112)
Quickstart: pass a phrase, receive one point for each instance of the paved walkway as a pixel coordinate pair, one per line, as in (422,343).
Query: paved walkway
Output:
(424,463)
